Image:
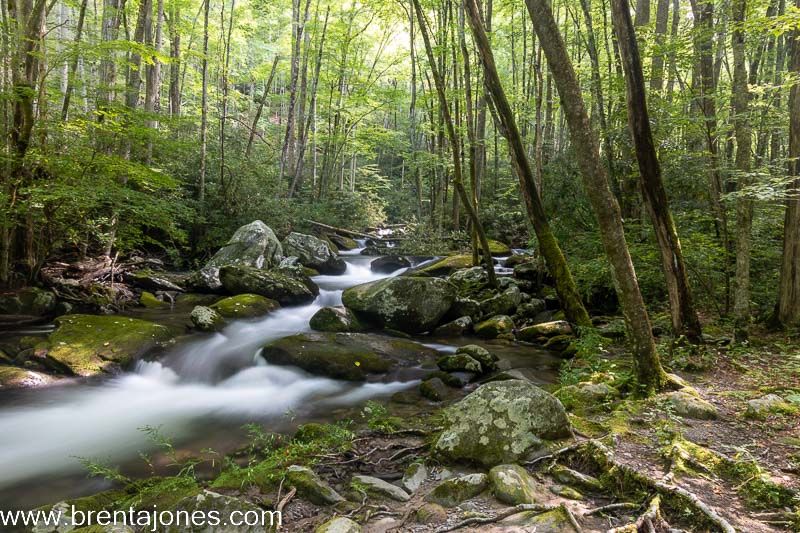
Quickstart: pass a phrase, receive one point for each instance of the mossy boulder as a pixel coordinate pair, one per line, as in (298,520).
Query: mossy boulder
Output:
(771,404)
(349,356)
(163,493)
(342,242)
(253,245)
(12,377)
(85,345)
(414,476)
(430,513)
(273,284)
(501,422)
(379,488)
(311,487)
(459,362)
(586,395)
(335,319)
(512,484)
(150,301)
(503,303)
(245,306)
(313,252)
(30,301)
(542,332)
(389,263)
(464,307)
(339,524)
(479,353)
(444,266)
(498,249)
(227,508)
(408,304)
(151,280)
(495,326)
(452,492)
(455,328)
(688,405)
(555,521)
(206,319)
(434,389)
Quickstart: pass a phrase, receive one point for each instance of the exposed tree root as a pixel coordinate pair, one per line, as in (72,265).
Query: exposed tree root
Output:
(478,520)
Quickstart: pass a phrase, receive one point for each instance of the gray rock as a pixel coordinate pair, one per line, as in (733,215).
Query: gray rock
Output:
(761,408)
(311,487)
(12,377)
(453,491)
(274,284)
(586,395)
(501,422)
(479,353)
(405,303)
(555,521)
(389,263)
(504,303)
(313,252)
(30,301)
(380,488)
(568,476)
(530,309)
(512,484)
(459,362)
(455,328)
(545,330)
(339,524)
(206,319)
(494,327)
(434,389)
(335,319)
(227,508)
(430,513)
(414,476)
(689,406)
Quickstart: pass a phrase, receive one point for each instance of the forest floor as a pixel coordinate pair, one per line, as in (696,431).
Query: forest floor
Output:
(744,470)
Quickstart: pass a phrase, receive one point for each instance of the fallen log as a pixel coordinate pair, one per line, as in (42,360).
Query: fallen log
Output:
(353,233)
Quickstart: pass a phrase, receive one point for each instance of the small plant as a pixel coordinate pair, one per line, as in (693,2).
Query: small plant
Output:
(378,418)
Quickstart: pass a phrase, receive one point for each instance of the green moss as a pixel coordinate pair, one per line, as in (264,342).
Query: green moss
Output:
(149,300)
(245,306)
(89,344)
(446,265)
(163,493)
(497,248)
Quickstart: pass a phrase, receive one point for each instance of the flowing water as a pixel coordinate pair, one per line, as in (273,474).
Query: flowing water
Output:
(199,393)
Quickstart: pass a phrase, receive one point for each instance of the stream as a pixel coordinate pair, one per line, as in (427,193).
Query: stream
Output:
(199,393)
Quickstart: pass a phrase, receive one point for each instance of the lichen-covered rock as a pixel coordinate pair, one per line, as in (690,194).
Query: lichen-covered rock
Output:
(470,282)
(566,492)
(443,267)
(555,521)
(479,353)
(434,389)
(378,488)
(311,487)
(227,508)
(342,242)
(350,356)
(501,422)
(455,328)
(408,304)
(586,395)
(389,263)
(273,284)
(498,249)
(494,327)
(545,330)
(206,319)
(761,408)
(464,307)
(689,406)
(30,301)
(245,306)
(459,362)
(453,491)
(512,484)
(530,309)
(339,524)
(430,513)
(503,303)
(12,377)
(414,476)
(252,245)
(150,301)
(151,280)
(313,253)
(85,345)
(335,319)
(530,271)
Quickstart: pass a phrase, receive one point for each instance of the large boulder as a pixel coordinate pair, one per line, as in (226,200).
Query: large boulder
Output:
(442,267)
(85,345)
(30,301)
(311,487)
(245,306)
(452,492)
(389,263)
(12,377)
(513,485)
(408,304)
(494,327)
(313,253)
(342,242)
(286,288)
(545,330)
(502,303)
(501,422)
(349,356)
(253,245)
(336,319)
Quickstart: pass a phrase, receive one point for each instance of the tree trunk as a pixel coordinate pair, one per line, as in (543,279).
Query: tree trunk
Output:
(173,27)
(454,146)
(260,109)
(73,66)
(556,263)
(646,361)
(642,13)
(200,189)
(657,66)
(684,316)
(788,308)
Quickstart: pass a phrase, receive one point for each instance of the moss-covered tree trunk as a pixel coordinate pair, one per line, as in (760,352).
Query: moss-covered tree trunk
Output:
(556,263)
(647,365)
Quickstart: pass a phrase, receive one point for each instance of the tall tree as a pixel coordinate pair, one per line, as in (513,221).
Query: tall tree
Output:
(550,249)
(647,364)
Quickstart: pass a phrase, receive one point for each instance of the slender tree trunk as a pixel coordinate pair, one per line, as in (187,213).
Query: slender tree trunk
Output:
(556,263)
(173,27)
(200,189)
(153,79)
(260,109)
(73,65)
(647,364)
(788,308)
(454,146)
(684,316)
(657,66)
(642,13)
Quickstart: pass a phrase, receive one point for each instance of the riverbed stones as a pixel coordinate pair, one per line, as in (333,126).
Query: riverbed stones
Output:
(253,245)
(342,242)
(245,306)
(689,406)
(495,326)
(276,285)
(408,304)
(501,422)
(503,303)
(512,484)
(453,491)
(459,362)
(12,377)
(206,319)
(30,301)
(349,356)
(311,486)
(455,328)
(434,389)
(378,488)
(479,353)
(150,301)
(339,524)
(335,319)
(389,263)
(85,345)
(444,266)
(414,476)
(313,252)
(227,508)
(545,330)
